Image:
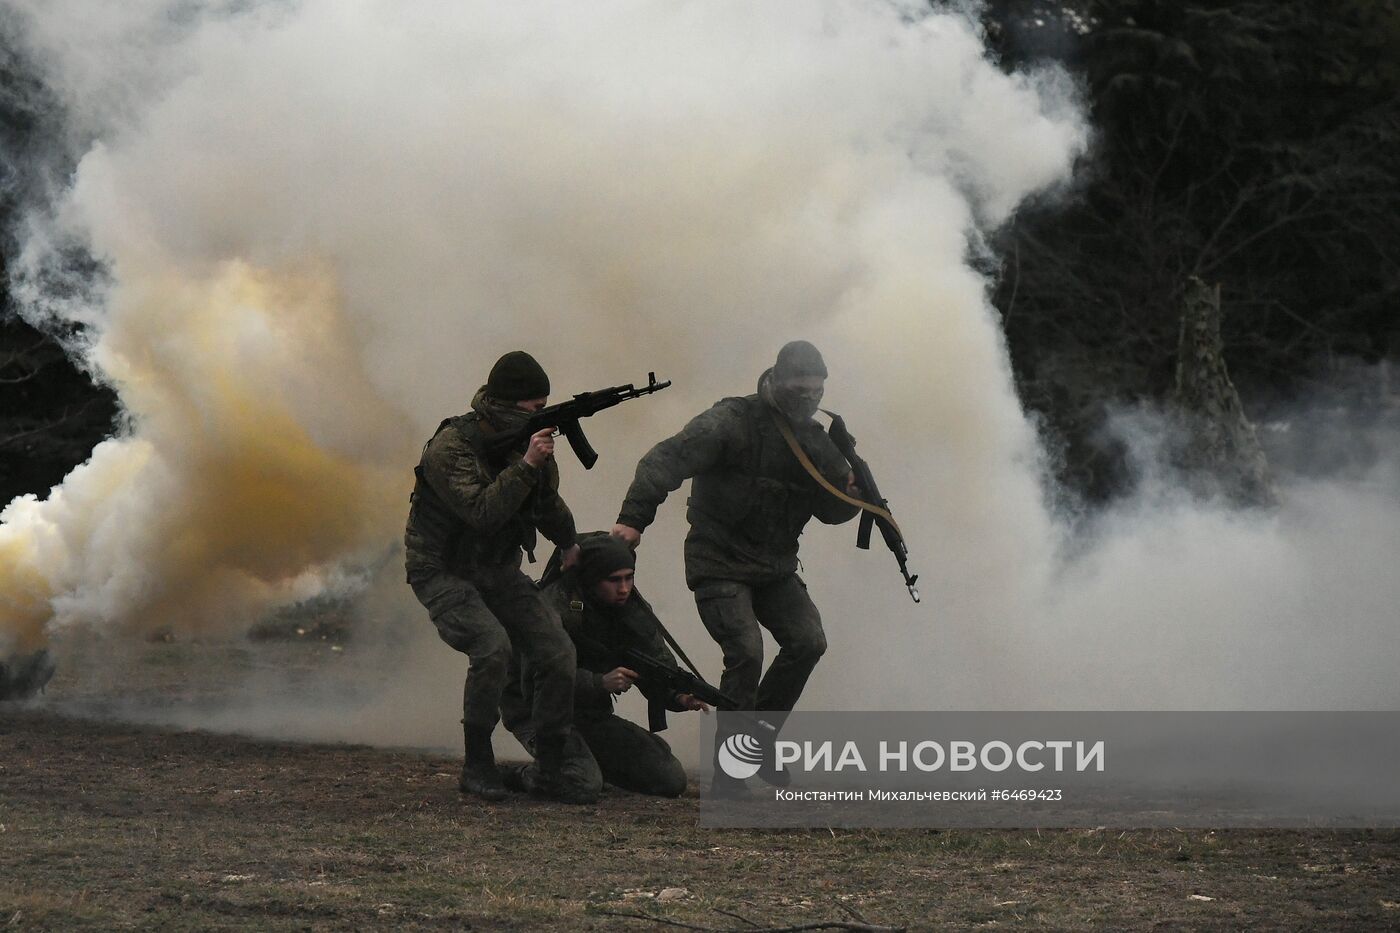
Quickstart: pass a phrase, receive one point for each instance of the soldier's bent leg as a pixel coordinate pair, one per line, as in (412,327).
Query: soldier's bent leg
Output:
(464,622)
(548,652)
(785,609)
(632,758)
(515,703)
(727,610)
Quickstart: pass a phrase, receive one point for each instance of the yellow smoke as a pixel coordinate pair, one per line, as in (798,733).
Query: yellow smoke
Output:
(261,457)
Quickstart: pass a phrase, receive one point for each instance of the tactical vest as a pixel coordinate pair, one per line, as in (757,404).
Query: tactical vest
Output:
(759,498)
(443,541)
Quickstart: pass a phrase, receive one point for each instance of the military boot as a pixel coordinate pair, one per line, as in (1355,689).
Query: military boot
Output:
(724,787)
(769,772)
(479,773)
(550,781)
(22,676)
(518,777)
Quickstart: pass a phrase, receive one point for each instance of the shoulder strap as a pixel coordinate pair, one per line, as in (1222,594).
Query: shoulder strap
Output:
(795,446)
(466,425)
(675,646)
(470,427)
(665,635)
(424,452)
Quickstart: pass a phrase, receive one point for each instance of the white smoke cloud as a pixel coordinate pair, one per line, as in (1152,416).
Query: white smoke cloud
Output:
(324,220)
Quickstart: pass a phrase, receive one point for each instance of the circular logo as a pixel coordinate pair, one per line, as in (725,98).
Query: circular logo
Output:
(740,756)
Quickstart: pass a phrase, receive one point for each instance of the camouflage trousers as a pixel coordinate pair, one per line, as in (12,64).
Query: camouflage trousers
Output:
(732,613)
(606,747)
(489,617)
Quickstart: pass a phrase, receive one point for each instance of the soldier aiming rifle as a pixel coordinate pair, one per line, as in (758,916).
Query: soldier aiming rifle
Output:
(486,484)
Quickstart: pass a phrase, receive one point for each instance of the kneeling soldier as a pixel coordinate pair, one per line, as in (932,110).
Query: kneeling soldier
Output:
(604,614)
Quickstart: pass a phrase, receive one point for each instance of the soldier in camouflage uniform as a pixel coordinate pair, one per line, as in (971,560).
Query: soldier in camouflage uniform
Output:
(471,515)
(748,504)
(603,613)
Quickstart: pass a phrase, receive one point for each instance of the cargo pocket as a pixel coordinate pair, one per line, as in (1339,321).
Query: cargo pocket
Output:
(448,602)
(725,609)
(439,595)
(717,589)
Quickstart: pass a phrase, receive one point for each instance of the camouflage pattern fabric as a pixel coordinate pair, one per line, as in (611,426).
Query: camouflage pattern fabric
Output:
(612,749)
(750,501)
(468,521)
(490,619)
(732,613)
(750,498)
(468,512)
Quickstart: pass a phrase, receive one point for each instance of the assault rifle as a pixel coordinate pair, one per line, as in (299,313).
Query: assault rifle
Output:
(673,680)
(875,510)
(565,417)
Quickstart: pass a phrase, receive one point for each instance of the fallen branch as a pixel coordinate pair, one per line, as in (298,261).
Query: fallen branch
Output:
(820,925)
(730,913)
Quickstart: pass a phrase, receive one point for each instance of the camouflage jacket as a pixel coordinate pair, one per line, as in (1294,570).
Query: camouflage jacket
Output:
(750,498)
(600,631)
(468,513)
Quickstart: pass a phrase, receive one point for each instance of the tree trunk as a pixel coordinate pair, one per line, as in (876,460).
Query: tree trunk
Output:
(1220,449)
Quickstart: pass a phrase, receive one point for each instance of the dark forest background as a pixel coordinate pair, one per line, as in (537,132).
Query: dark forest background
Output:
(1252,145)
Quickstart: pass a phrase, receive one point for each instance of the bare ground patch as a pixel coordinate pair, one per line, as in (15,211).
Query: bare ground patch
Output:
(108,825)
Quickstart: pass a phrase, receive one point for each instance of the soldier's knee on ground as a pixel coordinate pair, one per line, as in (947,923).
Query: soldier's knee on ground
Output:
(589,783)
(580,773)
(671,780)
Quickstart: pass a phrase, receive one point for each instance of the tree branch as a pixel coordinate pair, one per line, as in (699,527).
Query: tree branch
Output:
(799,928)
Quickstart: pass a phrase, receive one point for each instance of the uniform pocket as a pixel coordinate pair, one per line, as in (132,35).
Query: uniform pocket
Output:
(726,497)
(718,589)
(440,594)
(780,513)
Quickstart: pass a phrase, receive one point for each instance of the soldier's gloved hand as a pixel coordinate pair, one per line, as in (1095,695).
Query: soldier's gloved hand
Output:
(629,535)
(541,448)
(851,488)
(619,680)
(689,702)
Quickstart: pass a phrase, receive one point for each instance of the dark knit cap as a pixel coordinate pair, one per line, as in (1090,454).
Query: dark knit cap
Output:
(601,556)
(516,377)
(796,359)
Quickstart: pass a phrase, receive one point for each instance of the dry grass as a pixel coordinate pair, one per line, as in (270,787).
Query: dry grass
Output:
(107,826)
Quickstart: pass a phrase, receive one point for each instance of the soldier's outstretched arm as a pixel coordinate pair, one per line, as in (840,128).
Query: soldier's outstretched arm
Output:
(700,445)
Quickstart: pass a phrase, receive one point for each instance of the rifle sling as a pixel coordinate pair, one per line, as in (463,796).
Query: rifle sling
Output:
(665,635)
(874,511)
(680,652)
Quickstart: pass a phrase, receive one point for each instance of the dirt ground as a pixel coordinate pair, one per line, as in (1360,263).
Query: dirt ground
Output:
(109,825)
